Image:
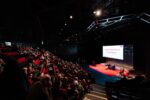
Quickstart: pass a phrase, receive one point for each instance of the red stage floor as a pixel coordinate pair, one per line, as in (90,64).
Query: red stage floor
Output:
(103,69)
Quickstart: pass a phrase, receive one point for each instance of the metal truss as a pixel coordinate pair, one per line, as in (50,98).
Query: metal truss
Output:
(109,21)
(145,17)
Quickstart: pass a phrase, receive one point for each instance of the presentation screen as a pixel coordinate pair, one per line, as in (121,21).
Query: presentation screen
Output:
(114,51)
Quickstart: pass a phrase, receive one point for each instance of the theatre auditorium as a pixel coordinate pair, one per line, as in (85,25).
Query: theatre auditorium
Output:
(74,50)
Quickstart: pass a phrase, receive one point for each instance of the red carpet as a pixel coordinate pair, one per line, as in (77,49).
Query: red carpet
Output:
(103,69)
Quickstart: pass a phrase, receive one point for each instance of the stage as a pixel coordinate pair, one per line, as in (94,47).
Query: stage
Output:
(99,77)
(104,70)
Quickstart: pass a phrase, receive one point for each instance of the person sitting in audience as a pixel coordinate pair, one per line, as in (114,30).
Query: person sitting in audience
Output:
(2,63)
(121,73)
(39,90)
(62,78)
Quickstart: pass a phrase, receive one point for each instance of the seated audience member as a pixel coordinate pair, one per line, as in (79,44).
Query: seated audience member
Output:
(43,76)
(39,90)
(139,78)
(121,73)
(2,63)
(124,73)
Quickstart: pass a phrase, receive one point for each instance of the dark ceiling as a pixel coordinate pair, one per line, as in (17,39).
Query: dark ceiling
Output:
(44,18)
(49,19)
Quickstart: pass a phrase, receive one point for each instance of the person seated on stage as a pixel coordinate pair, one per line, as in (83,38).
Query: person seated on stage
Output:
(108,66)
(112,67)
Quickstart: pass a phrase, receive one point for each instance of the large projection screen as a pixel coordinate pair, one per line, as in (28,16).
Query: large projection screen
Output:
(114,51)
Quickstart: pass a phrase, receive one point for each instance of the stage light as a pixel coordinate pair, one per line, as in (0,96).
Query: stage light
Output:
(71,17)
(42,42)
(98,12)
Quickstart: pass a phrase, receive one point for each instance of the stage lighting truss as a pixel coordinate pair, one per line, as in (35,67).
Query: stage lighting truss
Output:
(145,17)
(109,21)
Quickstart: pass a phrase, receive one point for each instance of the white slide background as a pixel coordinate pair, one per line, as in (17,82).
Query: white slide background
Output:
(115,51)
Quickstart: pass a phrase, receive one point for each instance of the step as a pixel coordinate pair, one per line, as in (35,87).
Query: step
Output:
(95,97)
(98,93)
(99,86)
(99,90)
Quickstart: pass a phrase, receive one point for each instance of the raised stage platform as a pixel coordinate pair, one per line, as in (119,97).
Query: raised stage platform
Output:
(102,68)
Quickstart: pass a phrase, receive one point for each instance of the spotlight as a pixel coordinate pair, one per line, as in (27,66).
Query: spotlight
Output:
(98,12)
(71,17)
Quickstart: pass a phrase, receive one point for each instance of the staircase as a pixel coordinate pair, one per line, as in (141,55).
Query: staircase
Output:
(98,93)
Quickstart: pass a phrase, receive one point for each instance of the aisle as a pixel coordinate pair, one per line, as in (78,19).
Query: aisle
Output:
(98,93)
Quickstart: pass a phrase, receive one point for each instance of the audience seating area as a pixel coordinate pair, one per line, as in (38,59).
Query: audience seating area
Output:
(28,73)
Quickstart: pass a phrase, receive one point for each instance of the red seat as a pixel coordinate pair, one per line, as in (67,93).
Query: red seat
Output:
(21,60)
